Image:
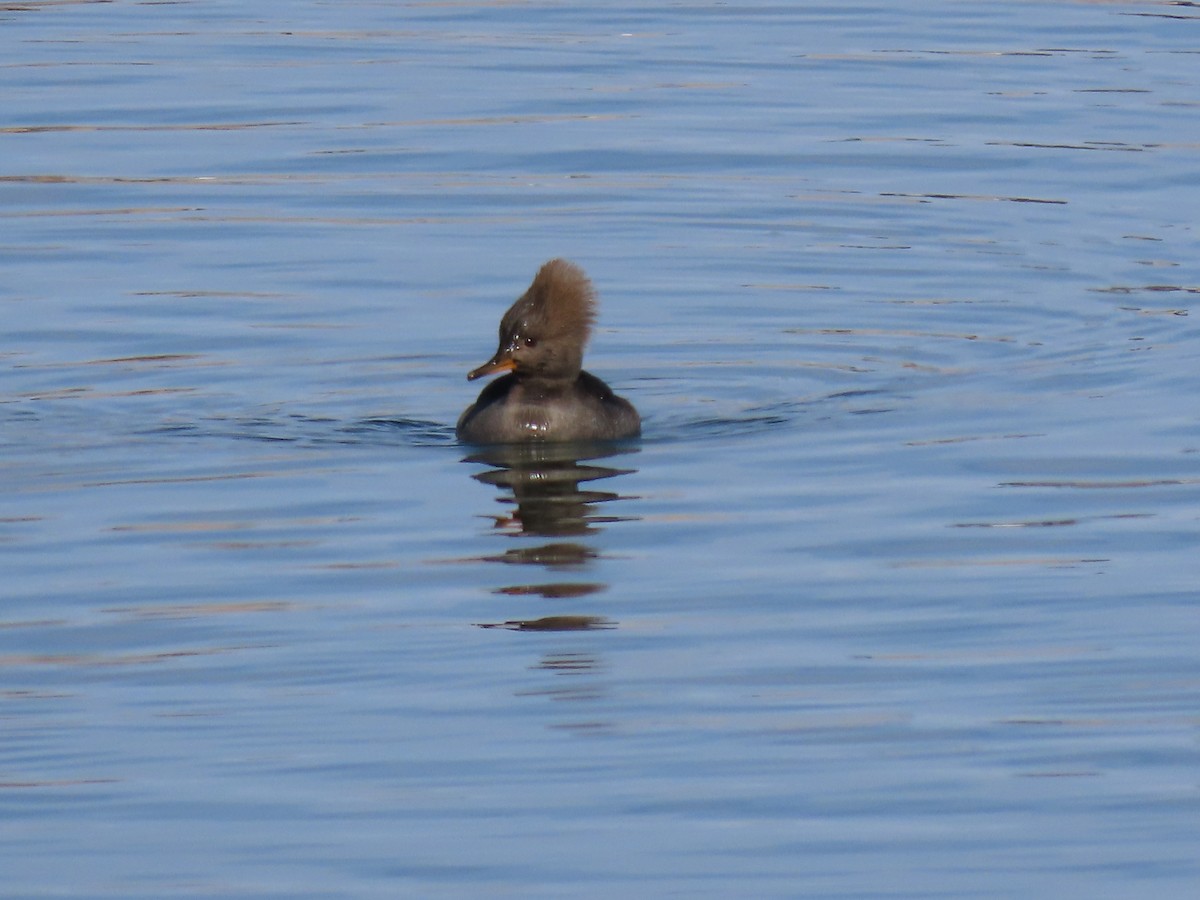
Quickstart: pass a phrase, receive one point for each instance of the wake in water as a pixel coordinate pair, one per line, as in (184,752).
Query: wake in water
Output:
(413,432)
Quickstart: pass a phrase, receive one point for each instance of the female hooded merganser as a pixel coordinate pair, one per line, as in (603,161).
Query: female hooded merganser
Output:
(547,396)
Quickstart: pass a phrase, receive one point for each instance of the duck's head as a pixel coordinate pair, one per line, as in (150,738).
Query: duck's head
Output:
(543,334)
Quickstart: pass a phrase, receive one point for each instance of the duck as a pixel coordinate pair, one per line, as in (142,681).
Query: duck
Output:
(544,394)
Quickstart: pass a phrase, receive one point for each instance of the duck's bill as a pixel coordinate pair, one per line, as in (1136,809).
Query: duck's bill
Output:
(491,367)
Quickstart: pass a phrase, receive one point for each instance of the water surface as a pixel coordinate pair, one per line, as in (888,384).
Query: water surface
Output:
(896,597)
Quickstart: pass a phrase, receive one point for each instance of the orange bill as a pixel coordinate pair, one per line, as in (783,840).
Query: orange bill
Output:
(492,366)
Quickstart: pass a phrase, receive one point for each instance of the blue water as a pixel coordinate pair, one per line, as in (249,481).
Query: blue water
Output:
(897,597)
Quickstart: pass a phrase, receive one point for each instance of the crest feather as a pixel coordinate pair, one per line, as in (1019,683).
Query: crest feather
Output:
(564,298)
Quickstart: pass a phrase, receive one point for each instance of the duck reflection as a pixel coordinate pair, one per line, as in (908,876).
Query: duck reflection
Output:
(543,480)
(551,493)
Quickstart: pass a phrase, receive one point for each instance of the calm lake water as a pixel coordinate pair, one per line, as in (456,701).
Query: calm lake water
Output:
(899,595)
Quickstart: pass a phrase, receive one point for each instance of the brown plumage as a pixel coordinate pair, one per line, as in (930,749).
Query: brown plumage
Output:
(546,395)
(560,301)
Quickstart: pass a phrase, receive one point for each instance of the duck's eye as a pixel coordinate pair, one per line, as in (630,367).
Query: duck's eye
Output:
(530,342)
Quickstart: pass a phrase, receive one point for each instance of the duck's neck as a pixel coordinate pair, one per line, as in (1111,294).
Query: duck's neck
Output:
(546,386)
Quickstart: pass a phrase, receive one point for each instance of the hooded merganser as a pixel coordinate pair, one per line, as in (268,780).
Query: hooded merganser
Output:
(547,396)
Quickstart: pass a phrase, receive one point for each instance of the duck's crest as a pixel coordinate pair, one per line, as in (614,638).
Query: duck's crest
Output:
(564,297)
